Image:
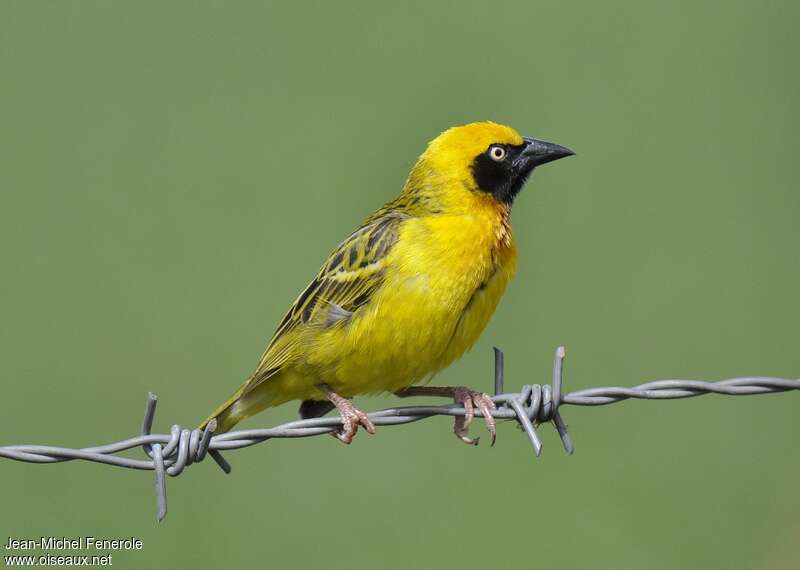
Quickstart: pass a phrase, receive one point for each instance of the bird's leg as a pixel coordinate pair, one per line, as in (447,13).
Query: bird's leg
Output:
(470,399)
(351,416)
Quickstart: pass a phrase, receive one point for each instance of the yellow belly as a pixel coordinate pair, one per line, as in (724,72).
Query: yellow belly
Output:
(445,276)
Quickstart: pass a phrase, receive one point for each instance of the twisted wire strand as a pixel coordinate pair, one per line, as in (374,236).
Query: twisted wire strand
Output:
(535,404)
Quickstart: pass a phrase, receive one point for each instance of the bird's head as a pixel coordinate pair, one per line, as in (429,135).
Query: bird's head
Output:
(484,158)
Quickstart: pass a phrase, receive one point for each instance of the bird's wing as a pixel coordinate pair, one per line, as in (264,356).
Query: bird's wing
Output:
(346,282)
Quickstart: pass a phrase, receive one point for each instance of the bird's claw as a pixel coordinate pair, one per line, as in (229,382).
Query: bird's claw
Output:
(472,399)
(352,417)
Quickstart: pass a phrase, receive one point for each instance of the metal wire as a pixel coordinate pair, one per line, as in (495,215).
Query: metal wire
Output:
(169,454)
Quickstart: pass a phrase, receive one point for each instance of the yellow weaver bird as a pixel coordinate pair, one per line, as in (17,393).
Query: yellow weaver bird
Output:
(408,292)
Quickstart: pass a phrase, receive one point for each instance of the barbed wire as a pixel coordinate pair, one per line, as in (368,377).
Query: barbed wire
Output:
(169,454)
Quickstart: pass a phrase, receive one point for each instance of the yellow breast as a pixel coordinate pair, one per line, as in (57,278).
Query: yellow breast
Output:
(445,276)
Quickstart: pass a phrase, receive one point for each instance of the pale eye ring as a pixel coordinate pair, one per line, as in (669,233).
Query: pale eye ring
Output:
(497,153)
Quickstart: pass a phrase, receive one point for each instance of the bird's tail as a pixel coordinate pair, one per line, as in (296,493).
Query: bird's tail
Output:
(225,414)
(242,404)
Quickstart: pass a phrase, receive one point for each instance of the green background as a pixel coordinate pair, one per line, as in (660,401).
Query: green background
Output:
(172,174)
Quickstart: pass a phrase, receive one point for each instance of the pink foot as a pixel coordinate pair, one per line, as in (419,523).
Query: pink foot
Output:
(472,399)
(352,417)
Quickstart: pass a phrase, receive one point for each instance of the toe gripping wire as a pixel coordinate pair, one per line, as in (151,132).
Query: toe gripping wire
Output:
(535,404)
(191,445)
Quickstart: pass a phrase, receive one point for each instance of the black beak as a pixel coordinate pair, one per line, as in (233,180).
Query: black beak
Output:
(538,152)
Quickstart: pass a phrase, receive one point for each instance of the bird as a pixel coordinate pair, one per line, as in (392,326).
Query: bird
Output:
(405,294)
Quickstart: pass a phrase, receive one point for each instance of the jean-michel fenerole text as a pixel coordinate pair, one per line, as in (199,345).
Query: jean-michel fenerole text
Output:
(73,543)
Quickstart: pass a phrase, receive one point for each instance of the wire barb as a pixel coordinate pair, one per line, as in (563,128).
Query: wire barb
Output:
(535,404)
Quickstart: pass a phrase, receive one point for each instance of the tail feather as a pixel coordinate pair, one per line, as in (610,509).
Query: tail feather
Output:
(224,414)
(241,405)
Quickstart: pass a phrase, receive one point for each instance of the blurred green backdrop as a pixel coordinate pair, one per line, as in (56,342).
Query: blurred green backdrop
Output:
(173,173)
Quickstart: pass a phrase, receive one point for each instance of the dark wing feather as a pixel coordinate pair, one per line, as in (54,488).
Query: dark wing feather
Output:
(346,282)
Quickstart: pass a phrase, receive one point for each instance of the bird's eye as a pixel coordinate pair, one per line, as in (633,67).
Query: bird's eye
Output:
(497,153)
